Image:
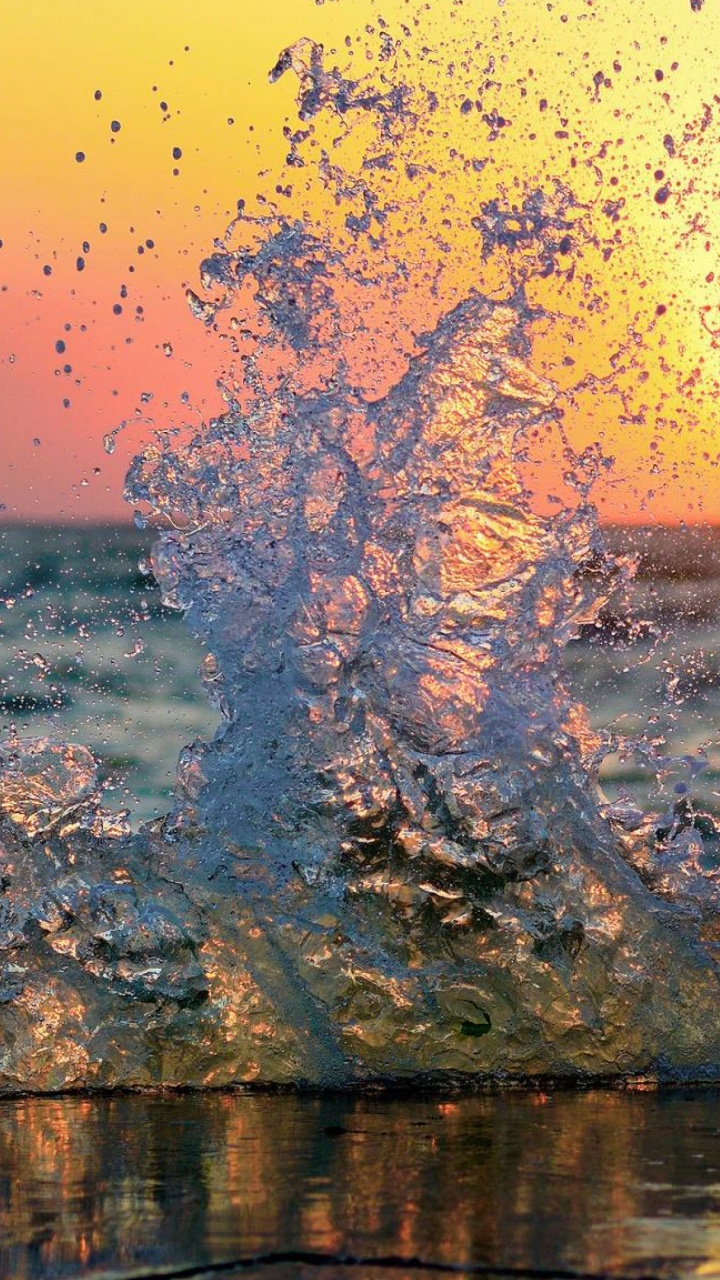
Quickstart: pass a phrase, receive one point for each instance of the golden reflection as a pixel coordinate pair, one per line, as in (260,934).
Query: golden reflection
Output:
(595,1182)
(42,784)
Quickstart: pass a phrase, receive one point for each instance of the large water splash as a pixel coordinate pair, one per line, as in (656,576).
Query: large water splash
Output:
(385,631)
(394,859)
(383,609)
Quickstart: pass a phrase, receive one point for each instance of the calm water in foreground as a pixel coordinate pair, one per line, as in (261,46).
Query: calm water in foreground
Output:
(621,1184)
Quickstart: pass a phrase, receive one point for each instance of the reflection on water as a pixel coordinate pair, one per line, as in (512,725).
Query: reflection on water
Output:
(598,1182)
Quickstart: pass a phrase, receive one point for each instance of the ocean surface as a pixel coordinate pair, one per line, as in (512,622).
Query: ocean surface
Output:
(88,653)
(289,1187)
(649,671)
(535,1184)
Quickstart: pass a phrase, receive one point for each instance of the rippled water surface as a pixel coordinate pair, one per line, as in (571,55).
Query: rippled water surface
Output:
(89,654)
(623,1184)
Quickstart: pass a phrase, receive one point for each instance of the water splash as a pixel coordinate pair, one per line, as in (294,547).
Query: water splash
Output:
(44,785)
(394,859)
(368,569)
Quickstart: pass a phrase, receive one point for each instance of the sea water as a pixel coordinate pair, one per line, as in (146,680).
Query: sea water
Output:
(340,566)
(550,1184)
(396,619)
(89,653)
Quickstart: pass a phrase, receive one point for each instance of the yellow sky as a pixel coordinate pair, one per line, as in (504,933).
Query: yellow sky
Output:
(537,65)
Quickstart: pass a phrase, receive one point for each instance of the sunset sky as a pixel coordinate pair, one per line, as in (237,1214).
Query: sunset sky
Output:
(129,130)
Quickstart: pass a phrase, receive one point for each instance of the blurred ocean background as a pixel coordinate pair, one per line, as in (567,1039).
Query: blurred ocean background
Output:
(89,654)
(649,670)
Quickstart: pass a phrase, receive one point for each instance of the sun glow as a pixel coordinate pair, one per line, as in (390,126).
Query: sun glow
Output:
(130,132)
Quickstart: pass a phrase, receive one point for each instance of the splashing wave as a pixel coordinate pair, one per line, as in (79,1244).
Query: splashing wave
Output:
(394,860)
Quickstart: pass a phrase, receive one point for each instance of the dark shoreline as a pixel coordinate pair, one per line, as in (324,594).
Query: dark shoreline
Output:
(391,1088)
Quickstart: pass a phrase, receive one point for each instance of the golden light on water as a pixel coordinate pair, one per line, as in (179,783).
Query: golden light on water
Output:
(88,1181)
(504,228)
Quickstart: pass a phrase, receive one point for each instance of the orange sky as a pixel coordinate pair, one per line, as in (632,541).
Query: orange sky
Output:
(177,75)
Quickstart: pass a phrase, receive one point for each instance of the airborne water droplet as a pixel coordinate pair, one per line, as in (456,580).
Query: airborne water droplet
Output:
(385,598)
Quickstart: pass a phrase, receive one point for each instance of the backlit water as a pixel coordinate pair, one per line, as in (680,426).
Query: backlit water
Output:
(89,654)
(623,1184)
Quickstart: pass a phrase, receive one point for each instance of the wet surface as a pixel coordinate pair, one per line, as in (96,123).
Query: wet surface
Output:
(592,1183)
